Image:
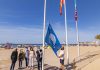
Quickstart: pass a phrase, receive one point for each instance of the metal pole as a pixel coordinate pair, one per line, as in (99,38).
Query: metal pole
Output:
(77,39)
(77,31)
(66,31)
(44,34)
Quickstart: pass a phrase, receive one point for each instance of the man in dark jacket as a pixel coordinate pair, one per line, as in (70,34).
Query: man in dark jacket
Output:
(13,59)
(21,58)
(38,58)
(41,54)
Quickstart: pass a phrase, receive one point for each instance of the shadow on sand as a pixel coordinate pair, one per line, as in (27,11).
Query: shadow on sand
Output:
(84,60)
(75,65)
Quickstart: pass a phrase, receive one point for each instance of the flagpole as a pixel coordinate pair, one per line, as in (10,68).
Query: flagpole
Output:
(76,21)
(67,49)
(77,38)
(44,34)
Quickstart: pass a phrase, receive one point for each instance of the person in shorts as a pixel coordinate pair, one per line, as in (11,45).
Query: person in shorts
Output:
(61,56)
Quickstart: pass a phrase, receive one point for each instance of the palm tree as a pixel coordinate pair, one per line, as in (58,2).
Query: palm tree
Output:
(97,37)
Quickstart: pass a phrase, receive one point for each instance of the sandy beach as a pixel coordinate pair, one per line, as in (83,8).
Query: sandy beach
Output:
(89,59)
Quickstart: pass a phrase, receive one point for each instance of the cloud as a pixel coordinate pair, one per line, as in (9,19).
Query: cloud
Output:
(34,35)
(84,34)
(20,35)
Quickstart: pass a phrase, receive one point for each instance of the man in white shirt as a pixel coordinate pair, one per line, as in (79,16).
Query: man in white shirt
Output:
(61,56)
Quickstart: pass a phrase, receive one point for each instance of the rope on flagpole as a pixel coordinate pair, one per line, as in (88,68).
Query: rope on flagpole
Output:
(66,31)
(44,34)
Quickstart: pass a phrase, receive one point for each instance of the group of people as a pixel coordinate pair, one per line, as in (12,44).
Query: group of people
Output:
(29,56)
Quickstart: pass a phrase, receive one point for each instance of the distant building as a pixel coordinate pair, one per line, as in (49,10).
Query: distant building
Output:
(87,43)
(7,46)
(98,42)
(0,46)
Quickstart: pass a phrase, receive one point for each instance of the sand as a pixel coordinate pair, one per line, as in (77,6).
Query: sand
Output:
(89,56)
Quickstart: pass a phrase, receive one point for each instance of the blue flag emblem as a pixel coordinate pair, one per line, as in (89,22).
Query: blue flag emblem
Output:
(52,40)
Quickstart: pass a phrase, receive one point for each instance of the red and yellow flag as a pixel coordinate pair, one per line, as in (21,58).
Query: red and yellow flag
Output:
(61,4)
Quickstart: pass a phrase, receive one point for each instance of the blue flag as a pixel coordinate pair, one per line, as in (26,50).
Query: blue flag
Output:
(52,40)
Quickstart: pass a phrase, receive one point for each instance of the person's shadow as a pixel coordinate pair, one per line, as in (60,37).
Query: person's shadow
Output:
(52,68)
(70,66)
(22,68)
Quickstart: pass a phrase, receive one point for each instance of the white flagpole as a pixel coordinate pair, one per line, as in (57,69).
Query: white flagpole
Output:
(66,29)
(77,39)
(77,32)
(44,34)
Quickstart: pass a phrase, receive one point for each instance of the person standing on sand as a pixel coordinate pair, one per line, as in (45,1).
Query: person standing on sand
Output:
(61,56)
(38,58)
(31,57)
(13,59)
(21,57)
(27,57)
(41,53)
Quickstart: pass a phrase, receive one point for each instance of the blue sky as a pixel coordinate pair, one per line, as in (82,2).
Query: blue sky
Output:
(21,21)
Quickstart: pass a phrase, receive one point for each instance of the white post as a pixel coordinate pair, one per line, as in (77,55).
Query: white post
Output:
(77,39)
(44,34)
(66,29)
(77,32)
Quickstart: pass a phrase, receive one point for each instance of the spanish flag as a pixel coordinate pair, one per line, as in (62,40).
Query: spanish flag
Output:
(61,4)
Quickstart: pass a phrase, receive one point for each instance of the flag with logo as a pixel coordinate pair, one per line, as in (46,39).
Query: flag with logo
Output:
(61,4)
(52,40)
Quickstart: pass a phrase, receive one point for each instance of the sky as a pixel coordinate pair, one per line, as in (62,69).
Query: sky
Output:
(21,21)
